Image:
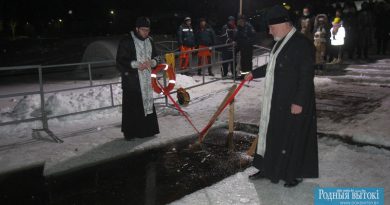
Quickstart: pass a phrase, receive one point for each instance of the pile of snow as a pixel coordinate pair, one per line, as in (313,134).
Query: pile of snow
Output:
(63,103)
(75,101)
(184,81)
(27,107)
(322,81)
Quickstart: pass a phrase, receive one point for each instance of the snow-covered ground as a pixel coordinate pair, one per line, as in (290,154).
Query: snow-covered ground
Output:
(365,120)
(358,103)
(340,166)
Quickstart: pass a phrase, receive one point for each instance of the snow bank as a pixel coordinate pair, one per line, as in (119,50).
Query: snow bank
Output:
(63,103)
(322,81)
(25,108)
(184,81)
(75,101)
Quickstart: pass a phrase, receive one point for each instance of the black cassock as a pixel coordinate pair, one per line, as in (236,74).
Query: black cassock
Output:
(291,143)
(134,122)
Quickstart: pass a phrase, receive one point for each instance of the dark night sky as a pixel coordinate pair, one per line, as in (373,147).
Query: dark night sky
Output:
(46,9)
(96,12)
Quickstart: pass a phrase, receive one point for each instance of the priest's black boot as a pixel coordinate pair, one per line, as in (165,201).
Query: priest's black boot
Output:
(257,175)
(292,183)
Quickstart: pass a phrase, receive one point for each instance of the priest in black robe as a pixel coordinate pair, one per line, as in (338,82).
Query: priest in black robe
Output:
(136,56)
(287,145)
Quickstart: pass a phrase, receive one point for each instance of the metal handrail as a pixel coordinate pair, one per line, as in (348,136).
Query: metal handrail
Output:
(262,47)
(78,64)
(24,67)
(19,94)
(83,87)
(44,118)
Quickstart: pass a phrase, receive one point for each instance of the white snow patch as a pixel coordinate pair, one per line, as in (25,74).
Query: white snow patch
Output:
(322,81)
(184,81)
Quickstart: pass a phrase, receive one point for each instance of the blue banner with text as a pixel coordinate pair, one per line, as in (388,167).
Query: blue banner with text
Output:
(349,196)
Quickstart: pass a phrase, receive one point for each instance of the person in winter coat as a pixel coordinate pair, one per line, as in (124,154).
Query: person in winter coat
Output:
(350,25)
(321,35)
(337,36)
(186,42)
(245,40)
(382,32)
(135,58)
(306,23)
(365,30)
(287,142)
(229,32)
(205,37)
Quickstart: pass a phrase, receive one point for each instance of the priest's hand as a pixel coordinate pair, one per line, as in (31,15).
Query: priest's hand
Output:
(145,65)
(296,109)
(248,77)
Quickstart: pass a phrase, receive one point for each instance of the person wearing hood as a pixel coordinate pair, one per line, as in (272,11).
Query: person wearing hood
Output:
(135,58)
(337,36)
(186,42)
(321,35)
(205,37)
(287,146)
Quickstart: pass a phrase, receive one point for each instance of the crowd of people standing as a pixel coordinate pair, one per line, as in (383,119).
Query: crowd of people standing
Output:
(335,30)
(346,29)
(203,37)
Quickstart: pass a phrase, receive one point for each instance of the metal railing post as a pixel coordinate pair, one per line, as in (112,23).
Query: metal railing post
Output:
(214,60)
(112,96)
(90,74)
(203,69)
(257,60)
(45,124)
(165,85)
(204,61)
(234,63)
(190,52)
